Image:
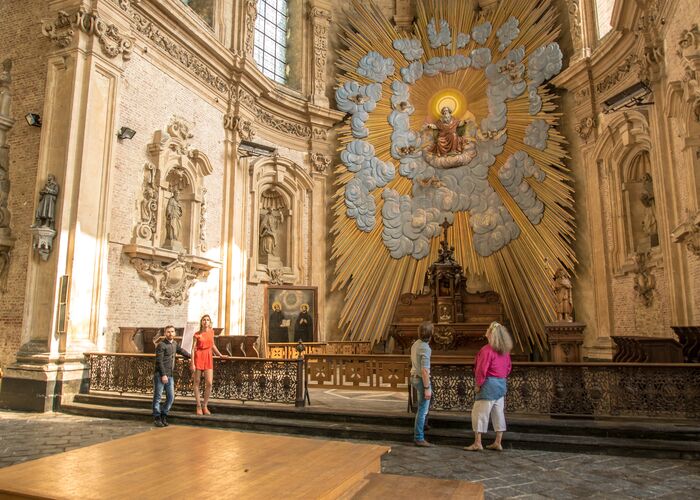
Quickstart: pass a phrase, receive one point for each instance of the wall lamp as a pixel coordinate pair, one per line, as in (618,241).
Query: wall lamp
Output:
(126,133)
(33,119)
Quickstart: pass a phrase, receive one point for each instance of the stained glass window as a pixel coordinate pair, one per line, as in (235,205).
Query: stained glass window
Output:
(270,41)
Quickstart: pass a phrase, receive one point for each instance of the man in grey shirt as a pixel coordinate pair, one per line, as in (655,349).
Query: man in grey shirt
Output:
(420,379)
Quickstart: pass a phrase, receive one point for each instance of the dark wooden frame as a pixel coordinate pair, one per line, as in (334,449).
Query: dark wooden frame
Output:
(314,304)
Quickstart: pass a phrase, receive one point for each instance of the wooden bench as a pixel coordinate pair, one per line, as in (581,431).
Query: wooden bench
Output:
(634,349)
(689,338)
(144,339)
(383,486)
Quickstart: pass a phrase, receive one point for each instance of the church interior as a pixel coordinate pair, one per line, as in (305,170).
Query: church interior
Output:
(320,178)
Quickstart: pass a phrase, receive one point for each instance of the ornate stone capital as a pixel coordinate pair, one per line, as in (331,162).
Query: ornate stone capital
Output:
(62,30)
(320,162)
(244,127)
(585,127)
(688,233)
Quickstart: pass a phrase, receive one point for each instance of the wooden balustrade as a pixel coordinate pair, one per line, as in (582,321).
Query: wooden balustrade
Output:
(288,350)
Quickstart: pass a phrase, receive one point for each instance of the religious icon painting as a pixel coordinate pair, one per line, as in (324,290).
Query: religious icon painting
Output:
(291,314)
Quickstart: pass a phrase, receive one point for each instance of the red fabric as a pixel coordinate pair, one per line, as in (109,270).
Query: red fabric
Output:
(489,363)
(203,356)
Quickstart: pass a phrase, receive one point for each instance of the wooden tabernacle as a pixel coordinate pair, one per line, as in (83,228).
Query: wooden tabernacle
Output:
(193,462)
(461,317)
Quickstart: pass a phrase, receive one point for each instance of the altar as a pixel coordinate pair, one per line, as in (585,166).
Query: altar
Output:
(461,317)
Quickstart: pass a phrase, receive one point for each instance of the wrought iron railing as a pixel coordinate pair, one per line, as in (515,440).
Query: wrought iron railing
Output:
(241,379)
(575,389)
(572,389)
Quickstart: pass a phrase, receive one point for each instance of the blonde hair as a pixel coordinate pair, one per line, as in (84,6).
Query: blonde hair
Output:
(500,339)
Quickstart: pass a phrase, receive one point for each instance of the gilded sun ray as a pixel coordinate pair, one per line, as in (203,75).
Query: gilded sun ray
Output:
(453,121)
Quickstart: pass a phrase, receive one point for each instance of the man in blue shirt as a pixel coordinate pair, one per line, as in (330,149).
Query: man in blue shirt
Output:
(420,379)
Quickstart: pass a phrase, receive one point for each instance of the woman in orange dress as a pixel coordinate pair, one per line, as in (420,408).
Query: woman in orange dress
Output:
(203,361)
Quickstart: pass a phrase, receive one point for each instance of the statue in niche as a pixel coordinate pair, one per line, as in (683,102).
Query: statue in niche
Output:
(270,220)
(304,325)
(562,292)
(46,211)
(649,224)
(173,222)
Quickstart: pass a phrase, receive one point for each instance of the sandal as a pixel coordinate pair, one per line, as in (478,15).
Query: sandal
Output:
(494,446)
(199,410)
(473,447)
(206,411)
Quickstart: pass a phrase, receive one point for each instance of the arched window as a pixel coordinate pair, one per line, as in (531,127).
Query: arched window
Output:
(270,45)
(603,15)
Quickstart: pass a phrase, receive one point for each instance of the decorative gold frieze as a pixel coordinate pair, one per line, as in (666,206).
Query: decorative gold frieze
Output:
(62,30)
(286,126)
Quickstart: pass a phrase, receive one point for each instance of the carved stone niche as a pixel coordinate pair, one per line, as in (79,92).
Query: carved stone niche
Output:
(169,240)
(280,198)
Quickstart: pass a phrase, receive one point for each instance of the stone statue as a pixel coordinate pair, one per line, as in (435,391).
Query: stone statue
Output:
(448,140)
(173,216)
(46,211)
(562,292)
(269,222)
(644,281)
(649,224)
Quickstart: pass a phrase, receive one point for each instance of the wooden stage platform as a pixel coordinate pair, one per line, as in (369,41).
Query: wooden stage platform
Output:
(194,462)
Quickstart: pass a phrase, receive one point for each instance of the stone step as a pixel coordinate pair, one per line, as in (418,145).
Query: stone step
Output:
(380,430)
(680,431)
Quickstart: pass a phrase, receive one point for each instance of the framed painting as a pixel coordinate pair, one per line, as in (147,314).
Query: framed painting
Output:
(291,313)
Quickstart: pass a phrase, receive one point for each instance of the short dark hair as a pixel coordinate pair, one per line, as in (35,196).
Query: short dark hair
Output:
(169,326)
(425,331)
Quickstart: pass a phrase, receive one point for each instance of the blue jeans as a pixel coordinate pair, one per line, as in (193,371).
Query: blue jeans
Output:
(158,386)
(421,411)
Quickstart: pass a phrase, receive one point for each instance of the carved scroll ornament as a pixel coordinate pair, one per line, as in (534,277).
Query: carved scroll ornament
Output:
(62,30)
(171,282)
(688,233)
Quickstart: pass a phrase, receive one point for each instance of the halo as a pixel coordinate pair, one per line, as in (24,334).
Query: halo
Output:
(451,98)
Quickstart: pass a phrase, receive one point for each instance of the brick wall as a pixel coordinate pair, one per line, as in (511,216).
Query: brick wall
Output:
(21,40)
(149,98)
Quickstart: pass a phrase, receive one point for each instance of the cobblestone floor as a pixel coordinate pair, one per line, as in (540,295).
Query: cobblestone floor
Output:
(510,474)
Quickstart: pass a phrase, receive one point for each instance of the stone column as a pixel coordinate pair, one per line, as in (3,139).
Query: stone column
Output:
(320,172)
(63,315)
(234,271)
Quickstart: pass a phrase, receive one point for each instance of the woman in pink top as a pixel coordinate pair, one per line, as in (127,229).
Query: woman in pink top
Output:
(491,367)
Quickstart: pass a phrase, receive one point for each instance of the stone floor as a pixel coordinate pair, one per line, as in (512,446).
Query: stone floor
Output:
(510,474)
